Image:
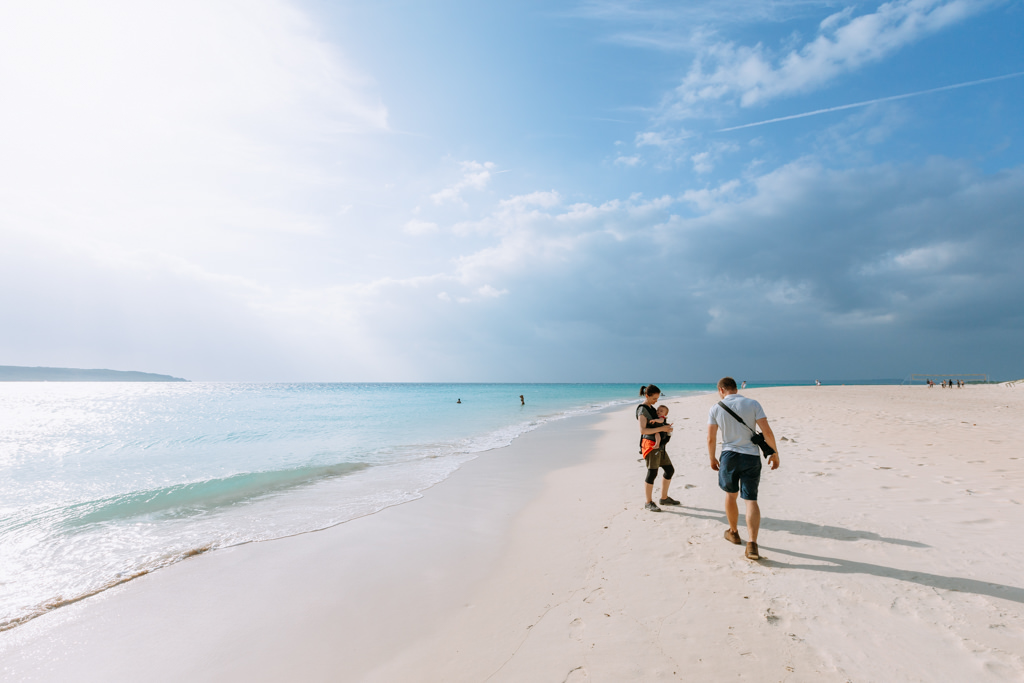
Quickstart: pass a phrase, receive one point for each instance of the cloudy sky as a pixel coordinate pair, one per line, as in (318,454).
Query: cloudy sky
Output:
(604,190)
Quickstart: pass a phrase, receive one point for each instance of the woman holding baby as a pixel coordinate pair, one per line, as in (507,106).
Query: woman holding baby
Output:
(654,434)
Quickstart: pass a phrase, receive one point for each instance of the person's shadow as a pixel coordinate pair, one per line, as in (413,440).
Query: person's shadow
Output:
(833,565)
(949,583)
(836,533)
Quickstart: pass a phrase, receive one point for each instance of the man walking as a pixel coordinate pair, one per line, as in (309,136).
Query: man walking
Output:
(739,470)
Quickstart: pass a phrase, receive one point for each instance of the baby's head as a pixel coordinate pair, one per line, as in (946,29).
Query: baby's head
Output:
(662,411)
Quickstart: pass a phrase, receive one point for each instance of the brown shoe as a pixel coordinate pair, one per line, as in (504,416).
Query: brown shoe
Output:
(733,536)
(752,551)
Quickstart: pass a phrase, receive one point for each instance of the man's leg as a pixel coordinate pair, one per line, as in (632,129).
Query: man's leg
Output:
(664,487)
(753,518)
(649,490)
(732,512)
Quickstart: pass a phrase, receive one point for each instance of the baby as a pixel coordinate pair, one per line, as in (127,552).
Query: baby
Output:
(660,438)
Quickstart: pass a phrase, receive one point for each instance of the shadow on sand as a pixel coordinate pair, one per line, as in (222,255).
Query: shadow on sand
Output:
(949,583)
(836,533)
(832,565)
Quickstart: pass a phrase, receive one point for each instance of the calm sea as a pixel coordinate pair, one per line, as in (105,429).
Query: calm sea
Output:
(102,482)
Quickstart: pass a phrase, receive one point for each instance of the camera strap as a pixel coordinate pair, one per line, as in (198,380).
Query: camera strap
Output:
(738,418)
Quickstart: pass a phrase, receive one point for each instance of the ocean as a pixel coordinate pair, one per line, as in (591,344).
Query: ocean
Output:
(103,482)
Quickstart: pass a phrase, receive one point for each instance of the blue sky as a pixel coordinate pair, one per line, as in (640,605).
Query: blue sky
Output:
(458,191)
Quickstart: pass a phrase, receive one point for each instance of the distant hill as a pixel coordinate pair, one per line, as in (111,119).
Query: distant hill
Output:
(13,373)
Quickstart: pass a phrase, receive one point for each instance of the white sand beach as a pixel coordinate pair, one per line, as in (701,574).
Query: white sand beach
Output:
(890,543)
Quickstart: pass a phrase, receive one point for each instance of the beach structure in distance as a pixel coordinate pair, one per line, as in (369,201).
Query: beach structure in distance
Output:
(15,373)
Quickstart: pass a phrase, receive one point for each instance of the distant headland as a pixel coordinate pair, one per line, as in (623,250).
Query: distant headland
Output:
(14,373)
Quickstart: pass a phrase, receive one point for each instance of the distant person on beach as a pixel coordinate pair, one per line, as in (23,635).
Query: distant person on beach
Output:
(739,470)
(459,401)
(744,385)
(817,382)
(655,457)
(522,400)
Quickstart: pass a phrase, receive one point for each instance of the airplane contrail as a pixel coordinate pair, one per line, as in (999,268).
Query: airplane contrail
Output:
(875,101)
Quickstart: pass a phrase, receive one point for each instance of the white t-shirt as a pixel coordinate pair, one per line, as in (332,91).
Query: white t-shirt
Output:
(736,437)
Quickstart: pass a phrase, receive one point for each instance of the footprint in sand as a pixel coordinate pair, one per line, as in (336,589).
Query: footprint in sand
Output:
(737,645)
(576,629)
(576,675)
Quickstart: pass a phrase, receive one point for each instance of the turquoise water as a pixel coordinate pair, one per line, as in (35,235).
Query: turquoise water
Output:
(102,482)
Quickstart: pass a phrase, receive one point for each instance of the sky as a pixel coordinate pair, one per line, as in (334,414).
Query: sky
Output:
(588,191)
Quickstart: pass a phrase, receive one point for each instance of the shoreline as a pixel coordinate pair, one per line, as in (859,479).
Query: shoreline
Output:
(496,484)
(884,536)
(474,446)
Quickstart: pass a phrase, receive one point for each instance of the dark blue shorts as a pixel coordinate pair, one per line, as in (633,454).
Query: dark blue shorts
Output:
(739,472)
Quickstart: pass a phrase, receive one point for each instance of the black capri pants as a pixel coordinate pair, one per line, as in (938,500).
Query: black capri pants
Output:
(655,459)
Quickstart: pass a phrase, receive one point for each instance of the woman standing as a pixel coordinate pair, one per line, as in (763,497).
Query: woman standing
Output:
(656,457)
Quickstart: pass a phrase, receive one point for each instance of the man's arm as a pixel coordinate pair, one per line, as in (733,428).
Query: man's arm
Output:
(712,438)
(769,436)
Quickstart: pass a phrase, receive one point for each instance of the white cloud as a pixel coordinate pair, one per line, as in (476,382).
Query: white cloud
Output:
(936,257)
(628,161)
(707,199)
(418,227)
(833,20)
(660,138)
(725,72)
(541,199)
(475,176)
(483,293)
(684,26)
(702,162)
